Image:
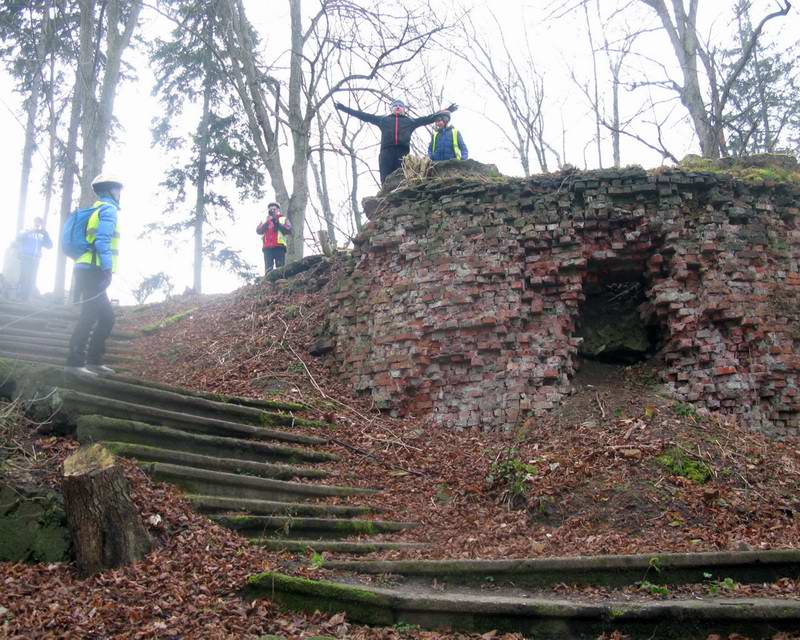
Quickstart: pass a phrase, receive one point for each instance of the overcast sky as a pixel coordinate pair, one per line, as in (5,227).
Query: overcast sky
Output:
(558,44)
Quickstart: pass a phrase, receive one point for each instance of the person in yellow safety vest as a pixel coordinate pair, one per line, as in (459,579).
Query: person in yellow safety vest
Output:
(446,142)
(274,229)
(91,277)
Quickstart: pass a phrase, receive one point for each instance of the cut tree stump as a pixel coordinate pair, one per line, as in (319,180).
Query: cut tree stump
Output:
(107,531)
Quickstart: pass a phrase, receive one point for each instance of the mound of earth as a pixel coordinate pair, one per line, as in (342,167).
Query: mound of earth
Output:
(620,468)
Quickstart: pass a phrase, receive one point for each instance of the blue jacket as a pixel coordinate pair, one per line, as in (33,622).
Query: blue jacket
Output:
(31,242)
(103,230)
(443,147)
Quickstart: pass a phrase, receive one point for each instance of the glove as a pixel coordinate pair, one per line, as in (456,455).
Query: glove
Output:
(452,107)
(105,280)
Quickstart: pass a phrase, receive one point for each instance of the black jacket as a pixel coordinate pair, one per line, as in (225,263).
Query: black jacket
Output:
(395,130)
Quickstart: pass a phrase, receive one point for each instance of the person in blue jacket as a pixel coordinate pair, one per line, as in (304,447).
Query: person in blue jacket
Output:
(446,142)
(30,244)
(92,276)
(396,130)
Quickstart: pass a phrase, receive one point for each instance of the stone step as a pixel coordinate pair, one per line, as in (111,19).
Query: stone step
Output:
(537,617)
(322,528)
(29,358)
(38,323)
(19,347)
(113,388)
(27,336)
(94,428)
(41,321)
(345,547)
(228,465)
(60,312)
(257,403)
(216,504)
(606,571)
(231,485)
(73,404)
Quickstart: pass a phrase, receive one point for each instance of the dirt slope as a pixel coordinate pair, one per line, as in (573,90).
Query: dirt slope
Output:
(620,468)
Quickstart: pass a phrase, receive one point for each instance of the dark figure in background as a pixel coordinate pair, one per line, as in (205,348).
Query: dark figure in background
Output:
(31,243)
(92,276)
(396,130)
(274,229)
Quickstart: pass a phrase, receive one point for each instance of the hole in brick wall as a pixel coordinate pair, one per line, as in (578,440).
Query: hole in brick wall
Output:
(612,329)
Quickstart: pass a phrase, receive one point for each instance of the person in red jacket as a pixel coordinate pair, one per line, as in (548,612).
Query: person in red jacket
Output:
(274,229)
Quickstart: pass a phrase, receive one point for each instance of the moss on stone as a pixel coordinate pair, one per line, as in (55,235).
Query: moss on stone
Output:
(166,322)
(775,168)
(33,527)
(310,595)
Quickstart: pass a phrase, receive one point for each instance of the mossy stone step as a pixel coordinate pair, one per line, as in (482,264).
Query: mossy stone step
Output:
(35,322)
(73,404)
(19,347)
(607,571)
(56,312)
(256,403)
(229,465)
(287,526)
(94,428)
(545,618)
(110,387)
(25,336)
(29,358)
(231,485)
(216,504)
(335,546)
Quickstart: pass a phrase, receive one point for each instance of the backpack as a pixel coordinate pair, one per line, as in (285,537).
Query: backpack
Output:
(73,236)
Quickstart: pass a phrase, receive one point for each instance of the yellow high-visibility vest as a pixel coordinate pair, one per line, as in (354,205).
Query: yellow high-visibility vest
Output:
(90,256)
(456,148)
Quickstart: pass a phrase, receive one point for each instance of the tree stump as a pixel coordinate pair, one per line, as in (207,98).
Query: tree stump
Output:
(106,529)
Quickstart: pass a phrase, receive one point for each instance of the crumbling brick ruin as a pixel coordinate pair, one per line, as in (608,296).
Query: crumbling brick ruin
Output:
(466,298)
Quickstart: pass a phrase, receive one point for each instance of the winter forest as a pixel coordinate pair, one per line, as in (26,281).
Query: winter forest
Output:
(210,109)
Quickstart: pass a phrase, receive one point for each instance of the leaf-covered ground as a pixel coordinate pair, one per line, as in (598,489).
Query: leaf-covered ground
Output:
(620,468)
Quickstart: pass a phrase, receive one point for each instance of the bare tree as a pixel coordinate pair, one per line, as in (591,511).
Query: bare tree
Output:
(517,85)
(706,107)
(364,37)
(615,53)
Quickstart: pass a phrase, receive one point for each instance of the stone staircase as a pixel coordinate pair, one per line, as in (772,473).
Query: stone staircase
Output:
(517,596)
(240,461)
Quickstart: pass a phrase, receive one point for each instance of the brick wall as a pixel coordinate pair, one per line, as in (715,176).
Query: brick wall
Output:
(466,290)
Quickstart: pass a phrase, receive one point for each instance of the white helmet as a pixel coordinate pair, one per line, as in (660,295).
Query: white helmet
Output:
(106,179)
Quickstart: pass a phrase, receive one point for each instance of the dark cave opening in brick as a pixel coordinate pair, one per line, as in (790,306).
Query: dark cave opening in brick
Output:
(611,324)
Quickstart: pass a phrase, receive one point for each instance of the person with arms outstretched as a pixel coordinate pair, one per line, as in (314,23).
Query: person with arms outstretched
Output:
(396,130)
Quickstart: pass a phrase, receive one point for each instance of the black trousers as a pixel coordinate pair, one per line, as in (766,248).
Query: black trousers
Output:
(28,267)
(274,257)
(390,159)
(96,321)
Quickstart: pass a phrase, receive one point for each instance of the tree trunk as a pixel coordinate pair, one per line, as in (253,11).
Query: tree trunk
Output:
(300,126)
(97,114)
(68,180)
(107,531)
(30,141)
(200,201)
(325,243)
